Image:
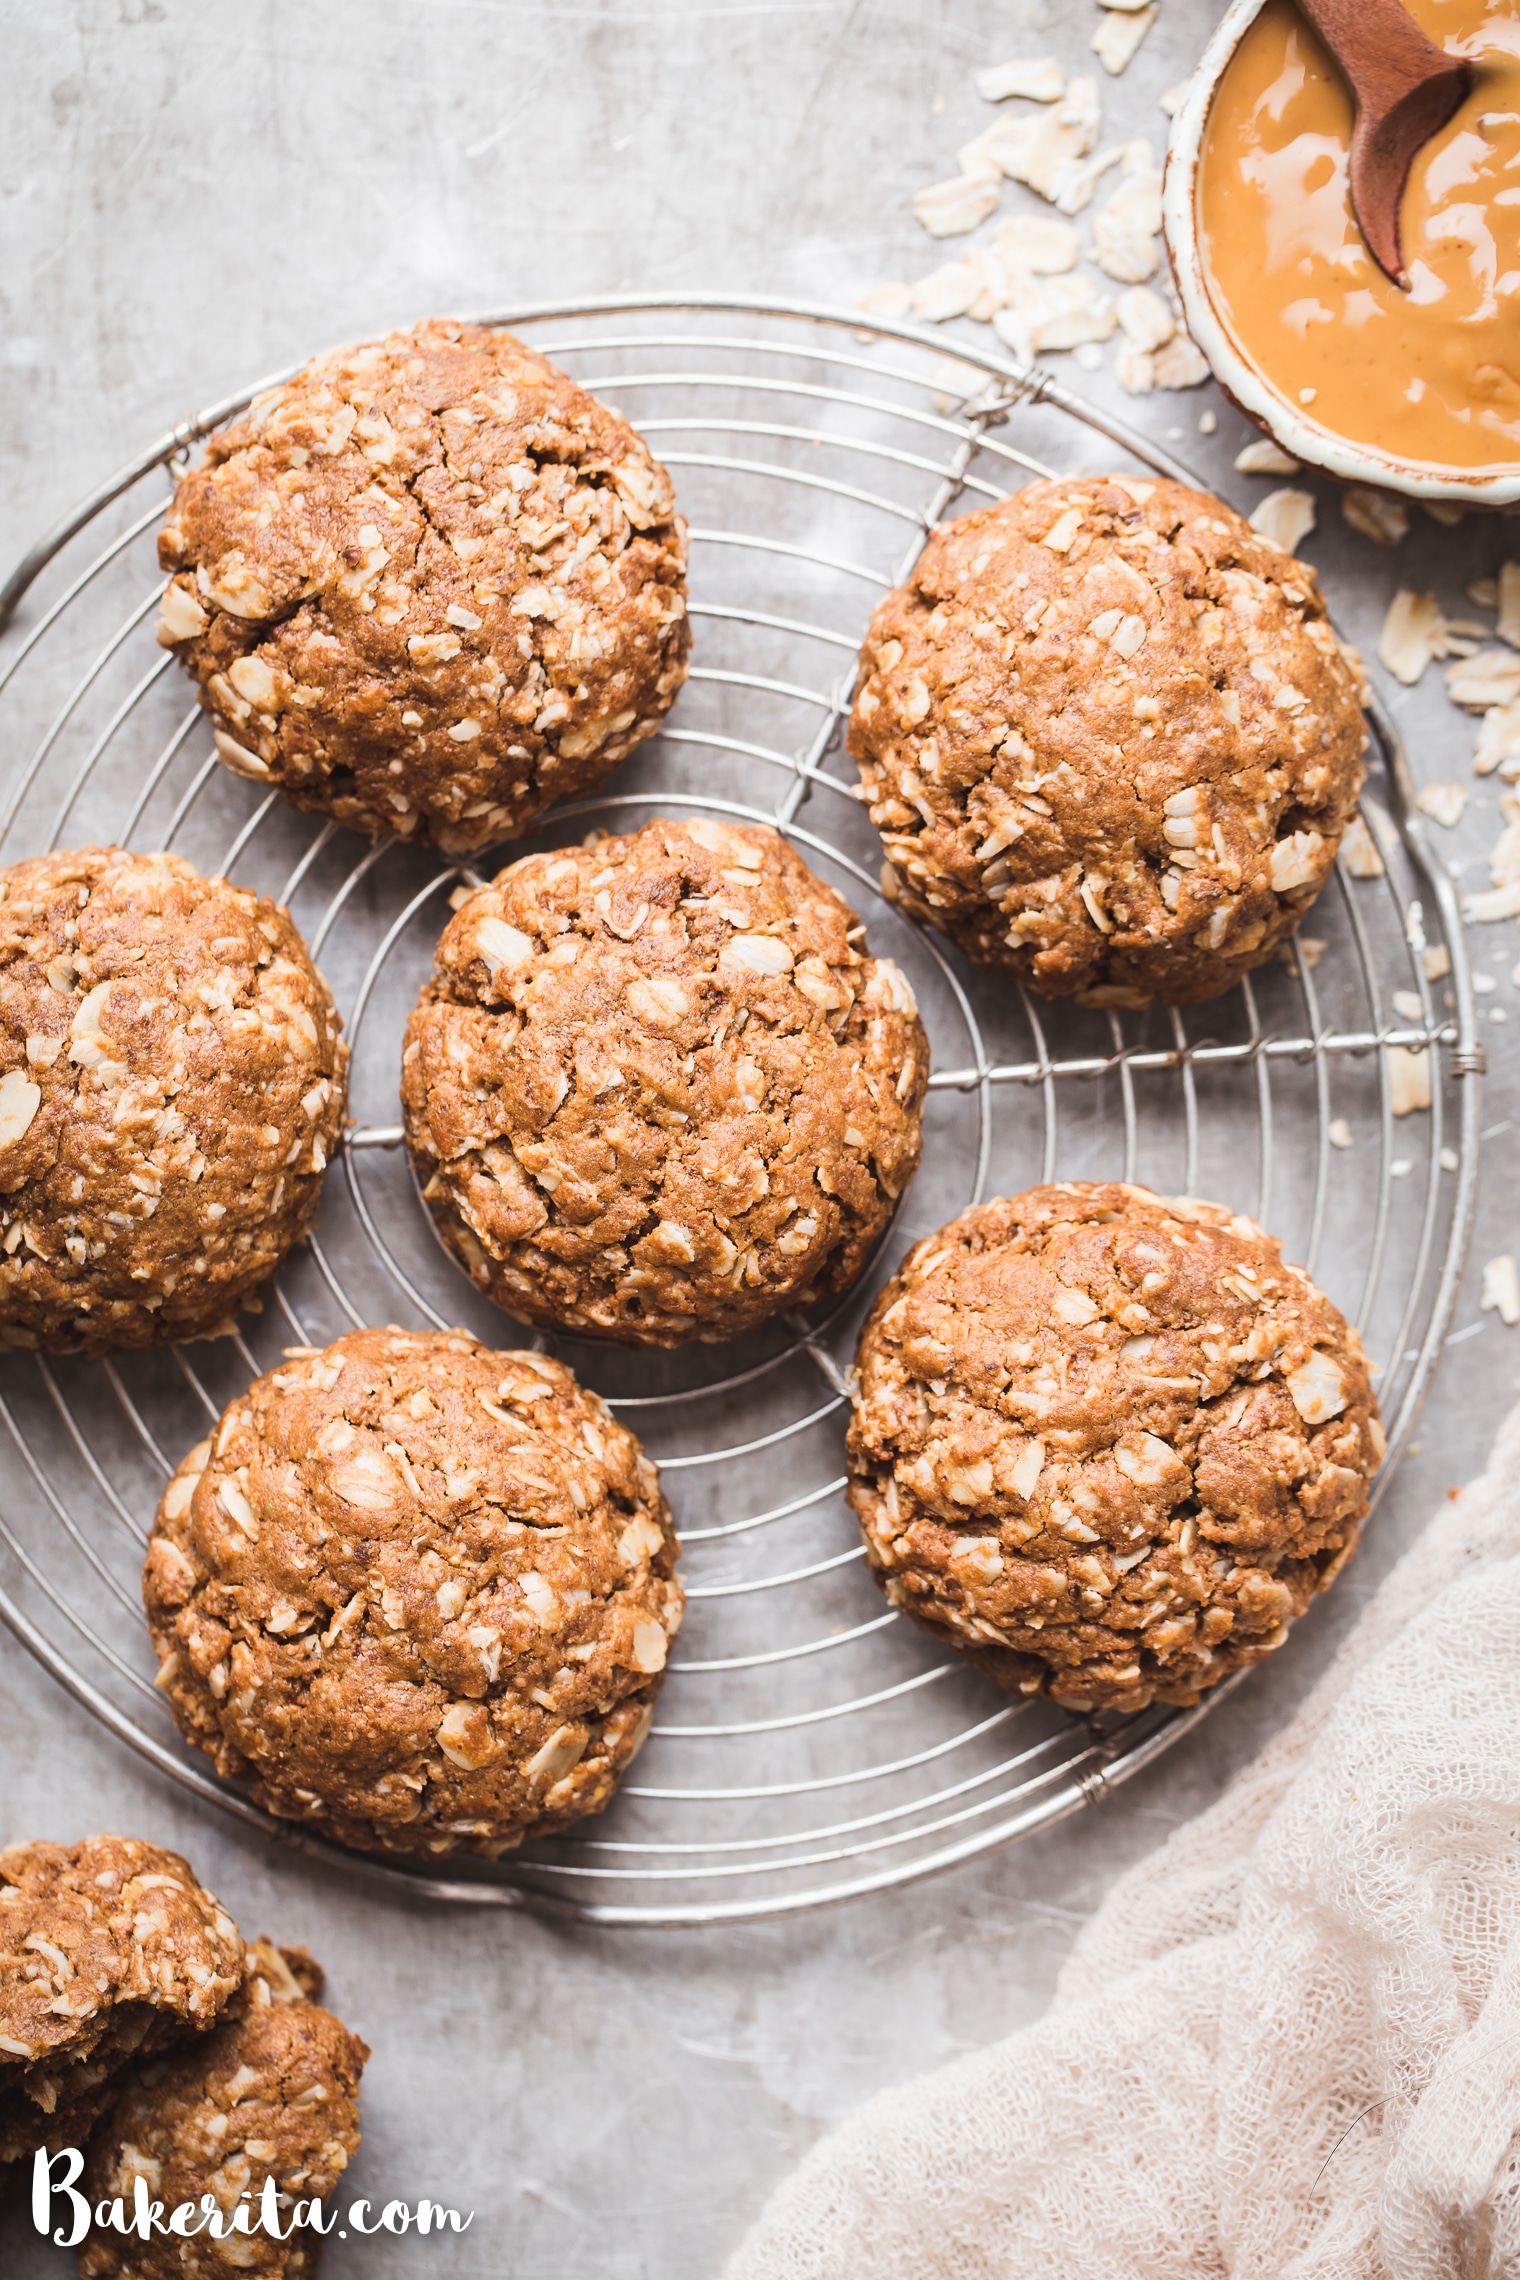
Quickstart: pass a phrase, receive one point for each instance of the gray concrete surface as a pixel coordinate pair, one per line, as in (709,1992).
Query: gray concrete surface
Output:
(193,191)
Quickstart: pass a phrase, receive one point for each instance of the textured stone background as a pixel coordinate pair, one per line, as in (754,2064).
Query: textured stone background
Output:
(193,191)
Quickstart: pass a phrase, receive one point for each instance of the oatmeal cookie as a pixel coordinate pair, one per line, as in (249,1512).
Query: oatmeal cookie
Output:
(428,586)
(1109,739)
(1107,1443)
(419,1593)
(171,1086)
(272,2093)
(109,1949)
(657,1089)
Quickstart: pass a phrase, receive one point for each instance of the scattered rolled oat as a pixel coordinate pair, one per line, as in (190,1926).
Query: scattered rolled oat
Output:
(1283,518)
(1378,515)
(1339,1133)
(949,291)
(951,209)
(1035,150)
(1414,632)
(1179,363)
(894,302)
(1107,1444)
(1408,1079)
(1508,603)
(1037,78)
(1036,245)
(1504,870)
(1117,38)
(1156,352)
(1359,851)
(1444,802)
(1038,638)
(1264,457)
(1172,98)
(1498,745)
(1126,242)
(1144,317)
(1079,178)
(658,1089)
(428,586)
(1051,313)
(1479,683)
(174,1088)
(1436,962)
(418,1593)
(1485,592)
(1501,1290)
(1407,1004)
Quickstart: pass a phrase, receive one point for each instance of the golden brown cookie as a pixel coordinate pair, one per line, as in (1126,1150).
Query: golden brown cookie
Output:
(658,1089)
(428,586)
(1107,1443)
(418,1593)
(172,1084)
(109,1949)
(1109,739)
(272,2093)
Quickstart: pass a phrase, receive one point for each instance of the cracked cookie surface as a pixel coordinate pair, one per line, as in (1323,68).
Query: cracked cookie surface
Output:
(417,1592)
(1107,1443)
(428,586)
(108,1950)
(1109,739)
(273,2092)
(172,1084)
(658,1089)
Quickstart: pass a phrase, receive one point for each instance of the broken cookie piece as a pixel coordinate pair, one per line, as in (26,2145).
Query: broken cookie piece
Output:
(272,2094)
(109,1949)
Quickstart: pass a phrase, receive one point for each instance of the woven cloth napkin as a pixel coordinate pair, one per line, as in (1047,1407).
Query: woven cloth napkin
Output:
(1287,2047)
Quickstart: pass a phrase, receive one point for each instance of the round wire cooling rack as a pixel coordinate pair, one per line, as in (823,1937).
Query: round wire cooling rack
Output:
(810,1744)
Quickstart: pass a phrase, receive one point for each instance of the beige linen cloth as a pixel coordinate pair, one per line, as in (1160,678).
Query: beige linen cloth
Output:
(1288,2045)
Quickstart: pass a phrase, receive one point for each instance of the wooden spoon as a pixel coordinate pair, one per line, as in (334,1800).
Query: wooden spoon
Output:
(1405,89)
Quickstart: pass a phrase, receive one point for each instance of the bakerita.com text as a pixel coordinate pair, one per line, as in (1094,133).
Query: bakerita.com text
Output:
(276,2215)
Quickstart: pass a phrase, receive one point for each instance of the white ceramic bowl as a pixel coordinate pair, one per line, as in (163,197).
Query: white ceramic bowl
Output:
(1283,420)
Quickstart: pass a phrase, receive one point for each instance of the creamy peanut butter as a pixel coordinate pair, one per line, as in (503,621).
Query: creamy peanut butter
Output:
(1428,377)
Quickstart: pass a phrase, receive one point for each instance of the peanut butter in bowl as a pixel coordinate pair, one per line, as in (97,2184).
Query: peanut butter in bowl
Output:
(1418,389)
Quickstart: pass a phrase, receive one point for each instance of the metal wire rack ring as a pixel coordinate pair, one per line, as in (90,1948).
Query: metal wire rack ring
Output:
(810,1745)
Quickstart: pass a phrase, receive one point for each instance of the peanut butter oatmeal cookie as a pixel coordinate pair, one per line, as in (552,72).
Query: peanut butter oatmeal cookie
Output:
(428,586)
(1109,739)
(171,1086)
(419,1593)
(657,1088)
(272,2093)
(109,1949)
(1107,1443)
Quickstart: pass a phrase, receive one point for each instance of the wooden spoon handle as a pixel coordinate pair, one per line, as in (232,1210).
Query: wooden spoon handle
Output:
(1405,89)
(1378,45)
